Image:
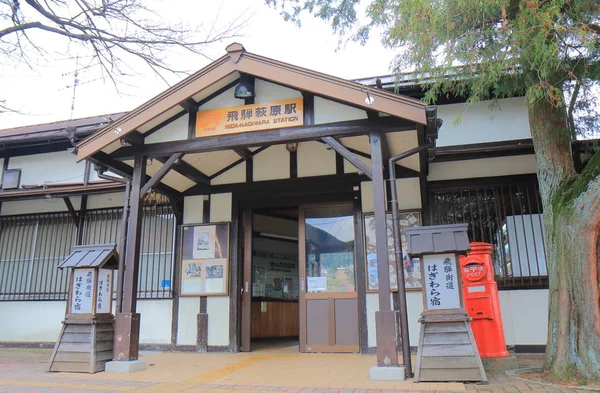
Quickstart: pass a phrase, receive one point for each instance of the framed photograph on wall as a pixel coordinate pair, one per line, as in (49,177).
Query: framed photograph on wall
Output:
(412,268)
(204,269)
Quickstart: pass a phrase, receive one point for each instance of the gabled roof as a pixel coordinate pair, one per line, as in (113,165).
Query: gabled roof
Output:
(238,60)
(94,255)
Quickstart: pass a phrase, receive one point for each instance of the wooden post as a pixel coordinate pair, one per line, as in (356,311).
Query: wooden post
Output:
(385,318)
(127,323)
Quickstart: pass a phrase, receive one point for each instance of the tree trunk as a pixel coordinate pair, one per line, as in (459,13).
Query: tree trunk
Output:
(572,216)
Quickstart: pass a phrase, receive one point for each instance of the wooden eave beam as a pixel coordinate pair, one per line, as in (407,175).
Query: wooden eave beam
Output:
(160,174)
(341,149)
(243,152)
(134,138)
(265,138)
(122,169)
(188,171)
(189,105)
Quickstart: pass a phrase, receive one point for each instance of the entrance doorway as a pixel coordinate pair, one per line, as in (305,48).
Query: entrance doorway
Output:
(299,279)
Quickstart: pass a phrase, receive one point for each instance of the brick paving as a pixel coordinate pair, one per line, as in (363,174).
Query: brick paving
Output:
(23,370)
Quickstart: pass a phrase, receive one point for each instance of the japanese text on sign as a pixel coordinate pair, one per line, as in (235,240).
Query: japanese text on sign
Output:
(441,281)
(255,117)
(104,294)
(81,293)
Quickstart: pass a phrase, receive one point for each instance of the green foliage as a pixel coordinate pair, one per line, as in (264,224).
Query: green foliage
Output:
(479,49)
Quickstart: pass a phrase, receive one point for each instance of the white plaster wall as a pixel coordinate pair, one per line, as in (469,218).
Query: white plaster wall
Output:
(220,207)
(114,199)
(485,167)
(237,174)
(218,320)
(271,164)
(58,167)
(155,324)
(223,100)
(525,316)
(327,111)
(177,130)
(409,194)
(479,122)
(31,320)
(193,209)
(315,160)
(187,324)
(267,92)
(51,205)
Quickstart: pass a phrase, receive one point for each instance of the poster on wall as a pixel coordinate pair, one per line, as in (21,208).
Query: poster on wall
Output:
(205,259)
(412,269)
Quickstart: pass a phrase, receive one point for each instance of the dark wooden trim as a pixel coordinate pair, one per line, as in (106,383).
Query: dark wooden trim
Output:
(359,268)
(294,164)
(308,101)
(341,149)
(192,124)
(202,335)
(339,164)
(264,138)
(477,182)
(134,138)
(228,167)
(5,165)
(125,170)
(164,123)
(243,152)
(176,272)
(160,174)
(189,171)
(249,170)
(529,348)
(474,151)
(72,211)
(246,272)
(189,105)
(206,209)
(354,151)
(268,187)
(40,147)
(235,278)
(82,214)
(423,172)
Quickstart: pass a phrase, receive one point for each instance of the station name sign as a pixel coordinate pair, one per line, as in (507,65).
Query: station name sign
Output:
(245,118)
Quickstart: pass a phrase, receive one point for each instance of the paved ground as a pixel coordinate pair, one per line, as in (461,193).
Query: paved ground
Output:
(279,371)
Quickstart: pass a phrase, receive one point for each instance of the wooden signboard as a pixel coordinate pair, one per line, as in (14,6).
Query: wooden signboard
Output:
(245,118)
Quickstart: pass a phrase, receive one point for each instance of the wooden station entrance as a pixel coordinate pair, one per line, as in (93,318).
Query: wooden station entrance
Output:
(248,133)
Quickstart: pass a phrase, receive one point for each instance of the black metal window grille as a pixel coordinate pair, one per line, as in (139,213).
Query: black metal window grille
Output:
(32,246)
(506,212)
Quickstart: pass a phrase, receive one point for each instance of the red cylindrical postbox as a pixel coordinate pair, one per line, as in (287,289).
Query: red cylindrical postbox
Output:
(480,293)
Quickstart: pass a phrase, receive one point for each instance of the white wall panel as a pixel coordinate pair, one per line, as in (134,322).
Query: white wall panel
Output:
(315,160)
(220,207)
(409,194)
(114,199)
(218,320)
(37,206)
(31,321)
(271,164)
(525,316)
(327,111)
(155,324)
(267,92)
(187,325)
(478,122)
(58,167)
(485,167)
(175,131)
(223,100)
(237,174)
(193,209)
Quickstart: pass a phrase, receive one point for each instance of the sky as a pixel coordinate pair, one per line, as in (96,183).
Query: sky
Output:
(44,92)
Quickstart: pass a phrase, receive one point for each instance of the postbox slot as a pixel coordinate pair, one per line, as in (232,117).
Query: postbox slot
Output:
(480,307)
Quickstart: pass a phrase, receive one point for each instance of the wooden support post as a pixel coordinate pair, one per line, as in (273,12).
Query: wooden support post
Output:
(127,323)
(81,223)
(202,335)
(72,211)
(385,318)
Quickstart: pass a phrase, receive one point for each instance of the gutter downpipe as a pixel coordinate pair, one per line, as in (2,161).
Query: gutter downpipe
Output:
(123,238)
(431,134)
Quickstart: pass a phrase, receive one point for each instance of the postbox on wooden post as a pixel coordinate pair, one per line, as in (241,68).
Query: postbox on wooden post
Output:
(447,350)
(85,343)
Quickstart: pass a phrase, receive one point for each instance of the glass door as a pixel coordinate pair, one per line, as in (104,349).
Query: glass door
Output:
(328,298)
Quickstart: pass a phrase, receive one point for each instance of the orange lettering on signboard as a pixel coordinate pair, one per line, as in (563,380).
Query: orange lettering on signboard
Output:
(245,118)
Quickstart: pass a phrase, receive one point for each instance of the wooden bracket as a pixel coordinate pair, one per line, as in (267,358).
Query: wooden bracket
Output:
(347,154)
(72,211)
(160,174)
